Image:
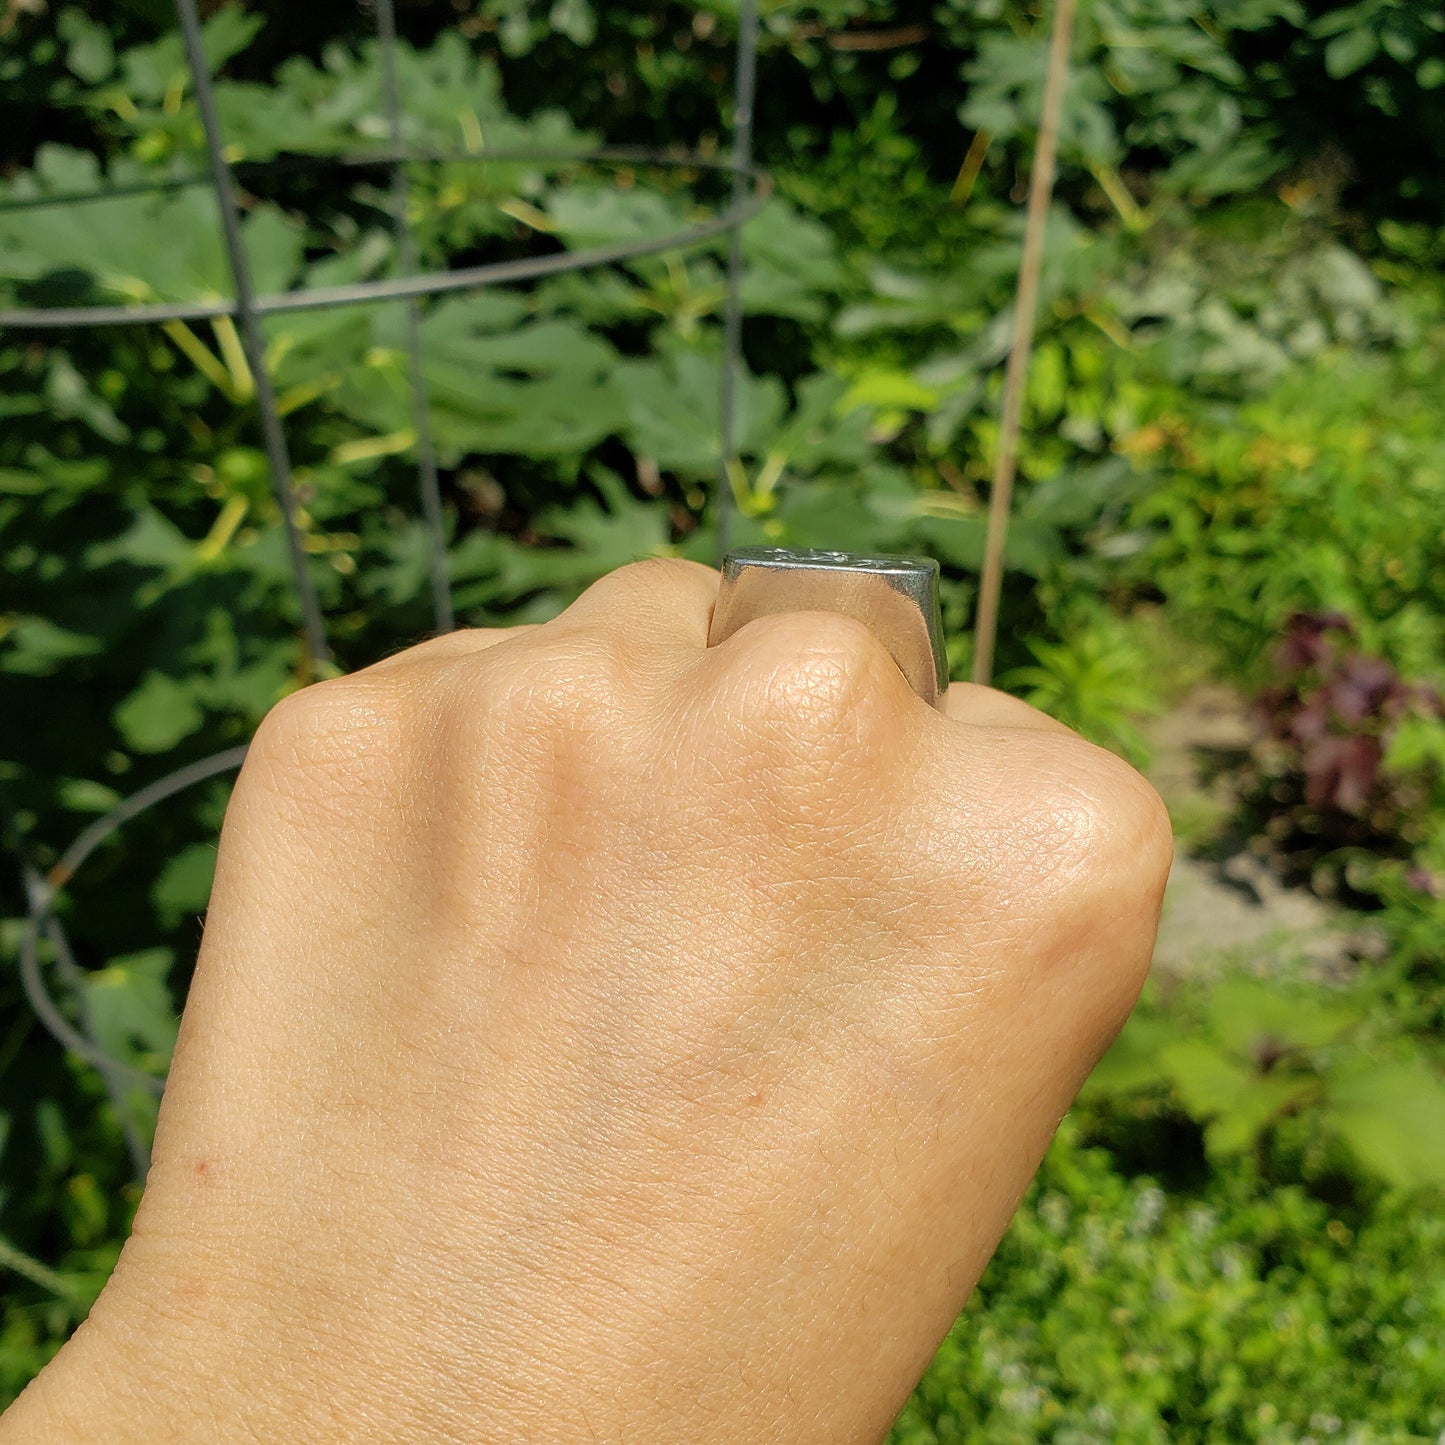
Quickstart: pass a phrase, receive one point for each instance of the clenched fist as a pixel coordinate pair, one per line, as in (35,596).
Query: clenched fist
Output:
(600,1037)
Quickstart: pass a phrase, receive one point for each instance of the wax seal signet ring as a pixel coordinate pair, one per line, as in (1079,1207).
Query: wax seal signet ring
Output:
(895,597)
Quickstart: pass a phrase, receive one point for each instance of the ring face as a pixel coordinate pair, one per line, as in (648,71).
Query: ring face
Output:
(895,597)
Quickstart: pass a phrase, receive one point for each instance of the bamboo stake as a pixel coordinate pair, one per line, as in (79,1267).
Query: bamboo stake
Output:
(1041,189)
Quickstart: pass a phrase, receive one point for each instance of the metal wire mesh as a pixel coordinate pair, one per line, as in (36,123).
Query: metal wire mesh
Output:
(750,189)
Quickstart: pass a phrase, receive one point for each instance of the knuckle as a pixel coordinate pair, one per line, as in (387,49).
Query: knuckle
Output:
(802,678)
(1064,854)
(580,684)
(649,573)
(1111,836)
(331,735)
(325,718)
(1133,824)
(638,587)
(1104,900)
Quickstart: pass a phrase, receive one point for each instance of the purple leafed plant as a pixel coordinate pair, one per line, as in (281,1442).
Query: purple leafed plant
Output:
(1326,723)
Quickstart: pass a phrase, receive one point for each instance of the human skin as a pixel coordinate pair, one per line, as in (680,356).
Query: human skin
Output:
(602,1037)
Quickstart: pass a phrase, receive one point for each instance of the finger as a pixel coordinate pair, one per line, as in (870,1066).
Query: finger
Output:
(448,648)
(967,702)
(663,601)
(813,643)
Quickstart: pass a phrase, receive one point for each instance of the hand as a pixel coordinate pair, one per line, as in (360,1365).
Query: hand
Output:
(602,1037)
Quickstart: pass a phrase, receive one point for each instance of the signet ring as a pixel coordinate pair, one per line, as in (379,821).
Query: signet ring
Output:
(895,597)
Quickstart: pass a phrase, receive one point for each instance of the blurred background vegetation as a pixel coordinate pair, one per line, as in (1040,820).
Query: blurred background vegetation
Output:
(1231,507)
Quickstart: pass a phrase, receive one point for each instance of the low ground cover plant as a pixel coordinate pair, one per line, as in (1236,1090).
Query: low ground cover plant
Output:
(1121,1312)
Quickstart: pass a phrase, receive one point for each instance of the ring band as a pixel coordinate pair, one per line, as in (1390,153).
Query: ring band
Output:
(895,597)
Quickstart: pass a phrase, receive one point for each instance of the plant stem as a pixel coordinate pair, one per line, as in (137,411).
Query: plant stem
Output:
(1130,212)
(968,172)
(228,339)
(18,1262)
(200,356)
(1041,189)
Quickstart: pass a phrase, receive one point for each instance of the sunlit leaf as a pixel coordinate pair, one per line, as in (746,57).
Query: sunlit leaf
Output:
(159,713)
(1391,1114)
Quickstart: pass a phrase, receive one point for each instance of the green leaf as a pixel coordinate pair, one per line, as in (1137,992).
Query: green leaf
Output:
(1208,1081)
(575,19)
(1391,1114)
(19,483)
(36,646)
(1398,44)
(1350,51)
(1247,1015)
(150,71)
(843,515)
(1418,742)
(228,31)
(159,713)
(546,388)
(184,887)
(157,247)
(68,394)
(672,409)
(604,539)
(586,215)
(1079,495)
(1133,1062)
(791,262)
(1264,1100)
(1032,547)
(83,795)
(152,540)
(89,53)
(827,427)
(1235,1101)
(130,1010)
(1431,73)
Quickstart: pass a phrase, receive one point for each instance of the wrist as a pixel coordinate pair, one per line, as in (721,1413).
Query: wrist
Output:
(181,1348)
(128,1375)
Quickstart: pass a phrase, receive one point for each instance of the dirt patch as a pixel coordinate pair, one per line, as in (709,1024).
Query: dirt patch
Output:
(1231,911)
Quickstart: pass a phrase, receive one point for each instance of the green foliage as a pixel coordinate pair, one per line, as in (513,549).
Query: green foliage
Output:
(1116,1313)
(1251,1053)
(66,1191)
(1279,512)
(1155,82)
(1096,682)
(1318,494)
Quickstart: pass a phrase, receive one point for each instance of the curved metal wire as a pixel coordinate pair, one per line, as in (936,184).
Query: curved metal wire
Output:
(40,894)
(381,158)
(468,278)
(46,1009)
(89,839)
(116,1076)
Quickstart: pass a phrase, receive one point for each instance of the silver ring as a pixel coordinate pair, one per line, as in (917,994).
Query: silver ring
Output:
(895,597)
